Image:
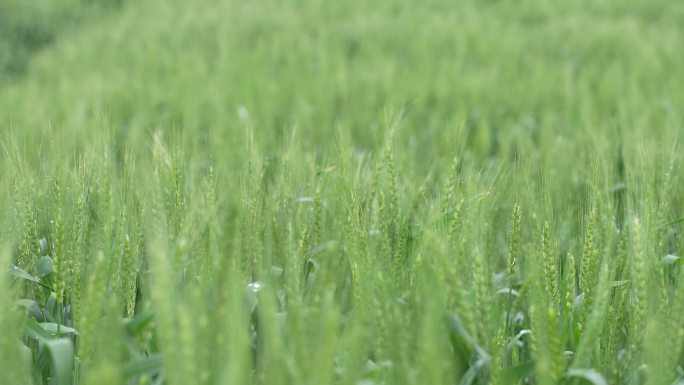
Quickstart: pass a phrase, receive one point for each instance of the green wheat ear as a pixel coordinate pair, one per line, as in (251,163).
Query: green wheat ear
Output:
(588,267)
(92,308)
(514,241)
(570,290)
(638,273)
(549,261)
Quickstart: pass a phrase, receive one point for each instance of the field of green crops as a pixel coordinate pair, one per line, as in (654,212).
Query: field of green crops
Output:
(347,192)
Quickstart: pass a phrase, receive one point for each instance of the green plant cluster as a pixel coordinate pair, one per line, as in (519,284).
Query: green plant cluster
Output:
(348,193)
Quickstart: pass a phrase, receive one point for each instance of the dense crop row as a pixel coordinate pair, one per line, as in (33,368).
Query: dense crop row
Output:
(235,192)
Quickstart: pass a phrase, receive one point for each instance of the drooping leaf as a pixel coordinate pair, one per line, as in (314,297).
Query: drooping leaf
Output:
(515,341)
(469,376)
(508,291)
(32,308)
(21,273)
(27,304)
(18,272)
(459,330)
(475,371)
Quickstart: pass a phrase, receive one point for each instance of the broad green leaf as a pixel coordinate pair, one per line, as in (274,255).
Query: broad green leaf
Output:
(44,266)
(135,325)
(52,328)
(20,273)
(46,331)
(250,295)
(618,187)
(276,272)
(51,306)
(27,303)
(517,373)
(589,375)
(35,331)
(33,308)
(61,360)
(329,245)
(26,354)
(670,260)
(577,304)
(42,243)
(148,366)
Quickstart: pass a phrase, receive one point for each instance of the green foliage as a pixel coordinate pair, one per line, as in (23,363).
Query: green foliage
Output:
(26,27)
(357,193)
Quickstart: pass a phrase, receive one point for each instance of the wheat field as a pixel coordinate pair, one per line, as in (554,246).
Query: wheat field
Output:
(352,193)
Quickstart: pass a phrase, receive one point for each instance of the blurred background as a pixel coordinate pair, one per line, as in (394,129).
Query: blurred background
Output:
(501,68)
